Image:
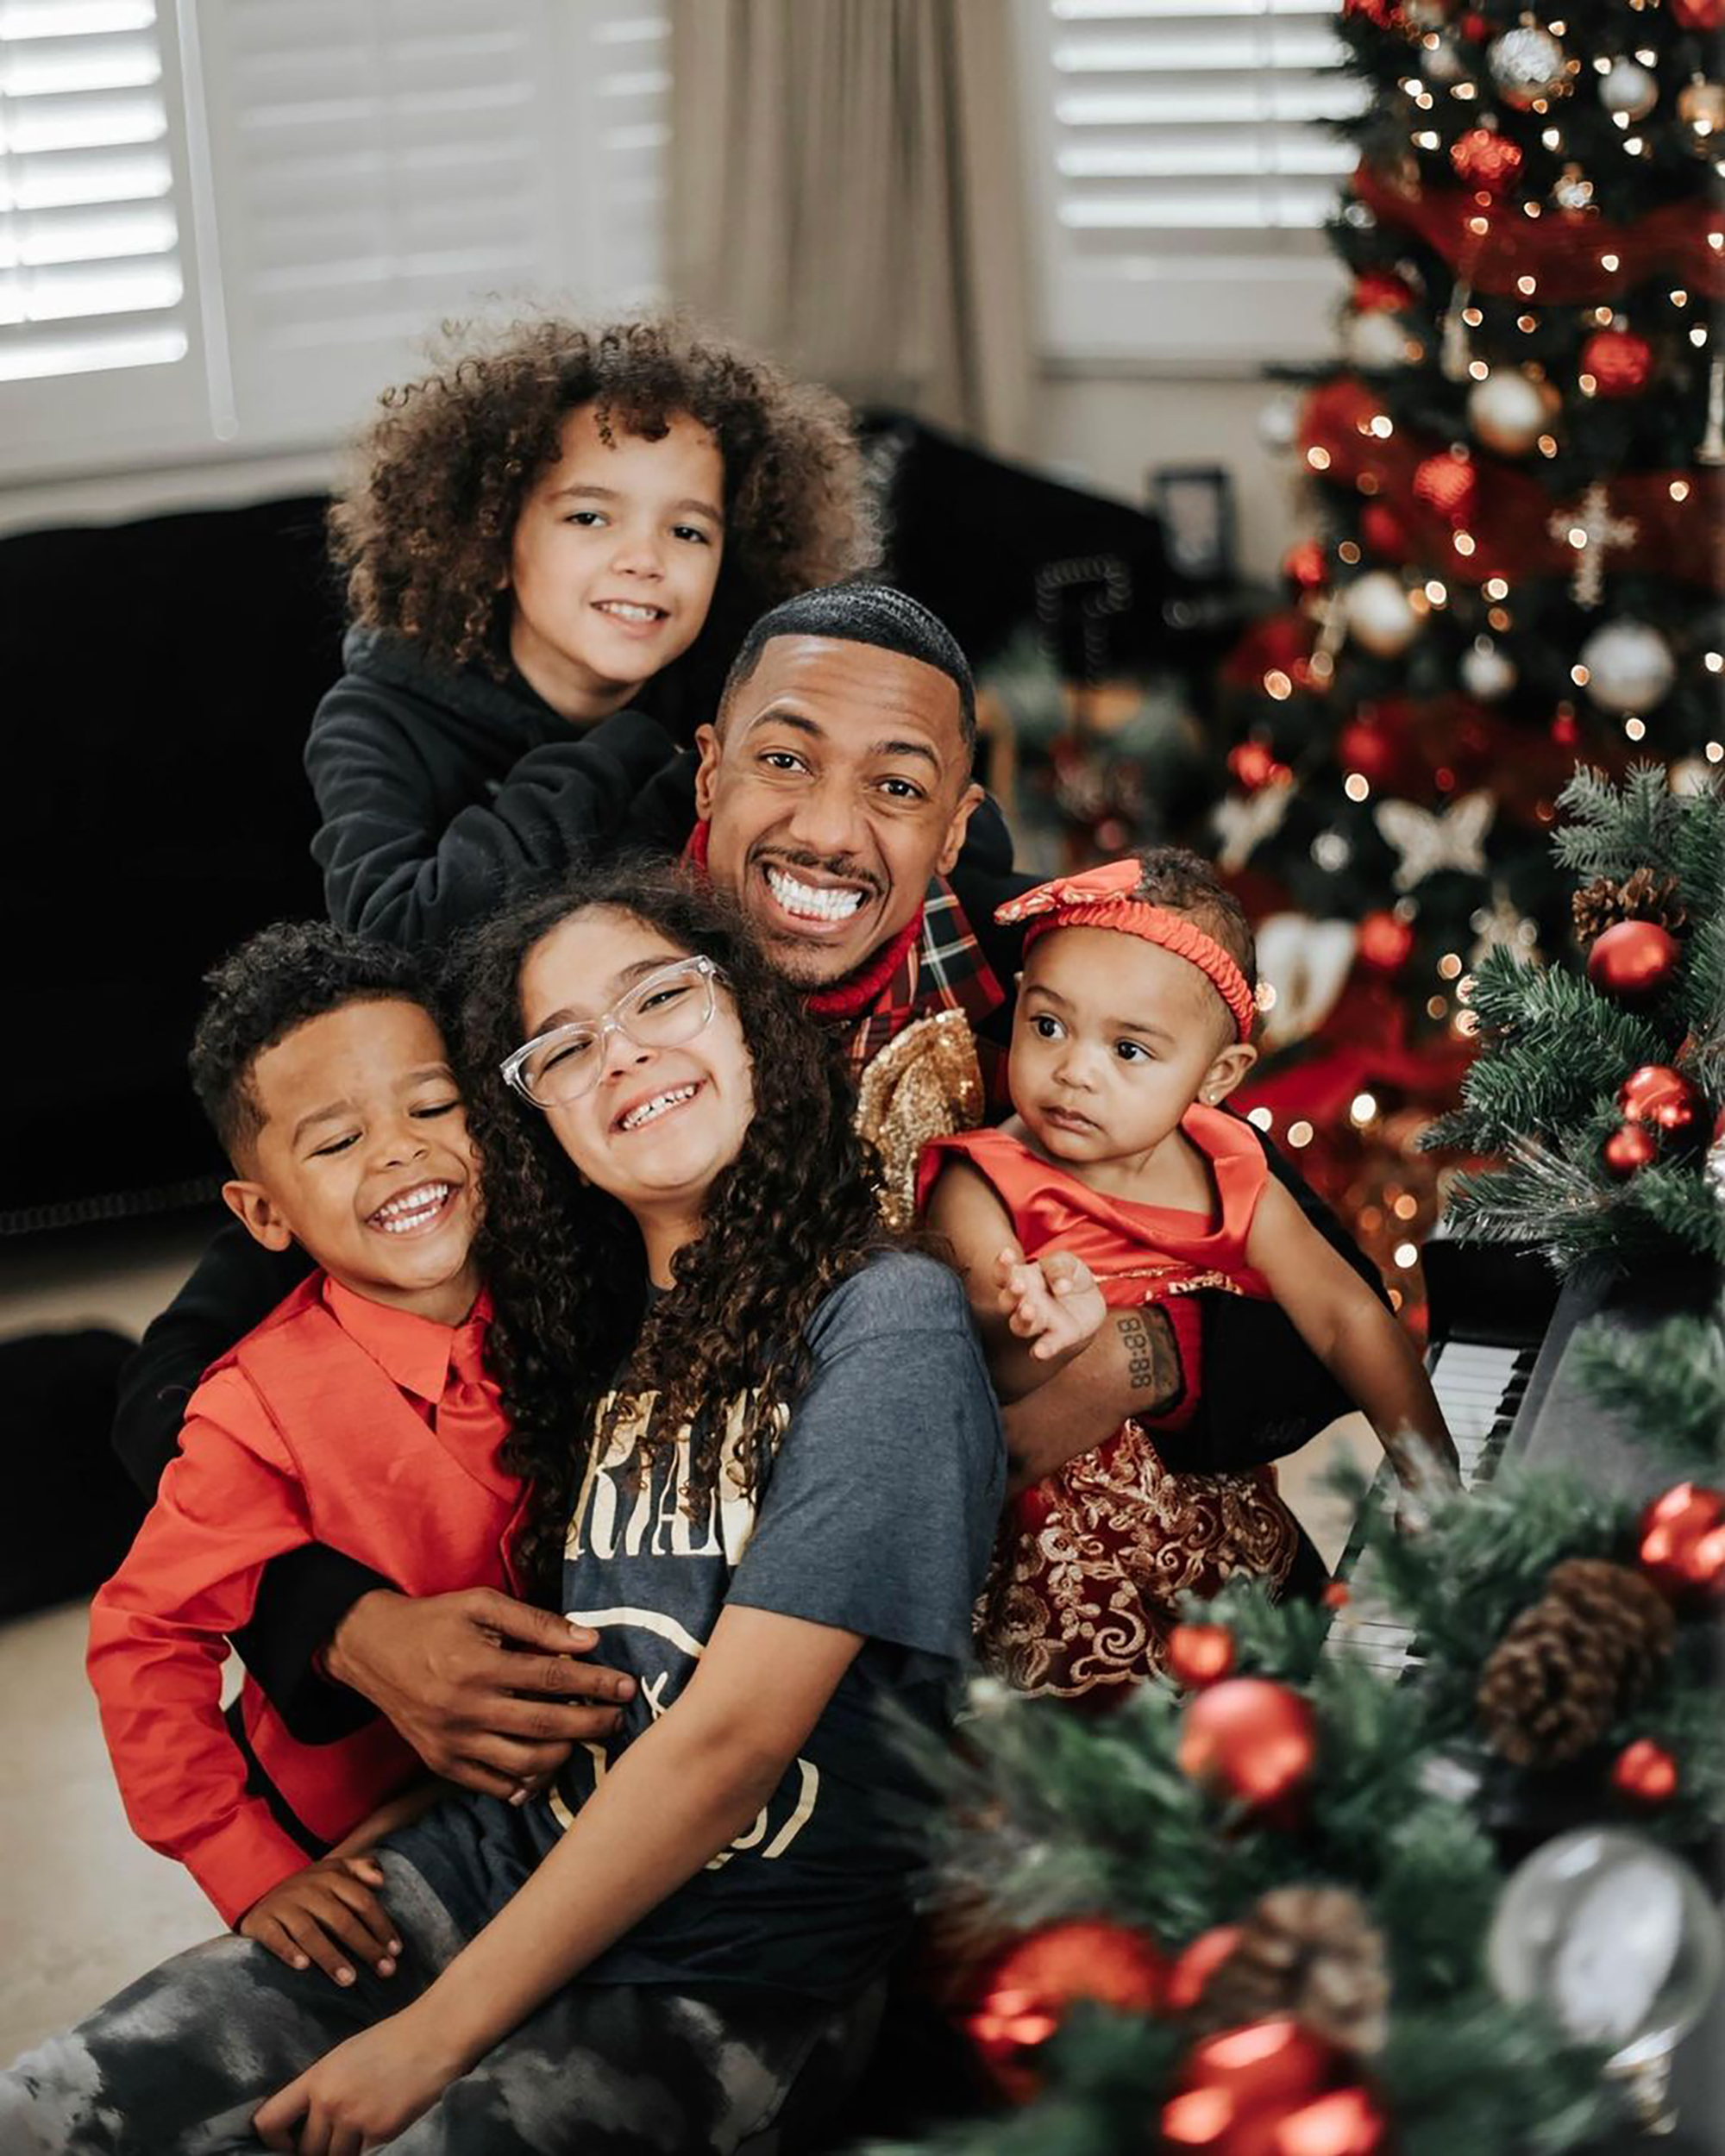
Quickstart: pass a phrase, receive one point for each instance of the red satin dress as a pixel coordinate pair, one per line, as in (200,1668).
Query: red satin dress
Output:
(1091,1562)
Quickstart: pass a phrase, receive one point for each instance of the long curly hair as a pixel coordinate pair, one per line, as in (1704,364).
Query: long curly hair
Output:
(422,533)
(796,1213)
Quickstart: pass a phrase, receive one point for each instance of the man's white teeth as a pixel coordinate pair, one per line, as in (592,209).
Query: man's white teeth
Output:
(657,1106)
(412,1209)
(813,905)
(624,612)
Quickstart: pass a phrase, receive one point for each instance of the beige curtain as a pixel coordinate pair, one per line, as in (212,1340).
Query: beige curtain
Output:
(846,193)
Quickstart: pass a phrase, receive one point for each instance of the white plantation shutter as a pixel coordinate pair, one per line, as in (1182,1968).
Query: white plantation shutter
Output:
(344,175)
(1183,175)
(98,313)
(381,166)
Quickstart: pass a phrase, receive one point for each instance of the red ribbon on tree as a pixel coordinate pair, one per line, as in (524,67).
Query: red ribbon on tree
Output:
(1492,245)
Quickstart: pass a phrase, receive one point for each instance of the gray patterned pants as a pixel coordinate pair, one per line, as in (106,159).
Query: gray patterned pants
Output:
(178,2063)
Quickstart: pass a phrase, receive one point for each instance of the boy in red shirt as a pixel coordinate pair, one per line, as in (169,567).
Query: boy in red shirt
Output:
(357,1415)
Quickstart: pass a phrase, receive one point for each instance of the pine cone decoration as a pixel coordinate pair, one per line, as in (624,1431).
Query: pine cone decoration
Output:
(1641,897)
(1310,1952)
(1556,1681)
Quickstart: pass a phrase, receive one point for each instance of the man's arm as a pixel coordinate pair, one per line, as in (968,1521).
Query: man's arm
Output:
(1131,1368)
(405,863)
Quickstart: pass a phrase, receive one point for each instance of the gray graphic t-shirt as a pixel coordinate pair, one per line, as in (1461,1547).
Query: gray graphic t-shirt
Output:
(876,1518)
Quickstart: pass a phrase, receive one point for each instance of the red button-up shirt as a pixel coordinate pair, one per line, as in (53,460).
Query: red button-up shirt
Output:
(323,1426)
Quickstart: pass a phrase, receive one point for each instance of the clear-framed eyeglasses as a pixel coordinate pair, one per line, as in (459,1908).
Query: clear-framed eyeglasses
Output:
(669,1007)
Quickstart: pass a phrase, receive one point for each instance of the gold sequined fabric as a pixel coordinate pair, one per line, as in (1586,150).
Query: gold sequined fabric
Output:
(926,1082)
(1092,1561)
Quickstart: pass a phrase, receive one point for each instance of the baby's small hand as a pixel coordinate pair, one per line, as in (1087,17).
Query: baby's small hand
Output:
(1428,1474)
(1053,1302)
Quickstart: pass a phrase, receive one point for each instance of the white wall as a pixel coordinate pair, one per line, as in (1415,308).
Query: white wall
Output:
(1108,431)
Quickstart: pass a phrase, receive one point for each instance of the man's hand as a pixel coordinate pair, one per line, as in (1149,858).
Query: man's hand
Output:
(329,1915)
(478,1684)
(1052,1303)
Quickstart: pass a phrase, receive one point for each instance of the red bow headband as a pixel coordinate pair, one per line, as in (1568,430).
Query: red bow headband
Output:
(1105,898)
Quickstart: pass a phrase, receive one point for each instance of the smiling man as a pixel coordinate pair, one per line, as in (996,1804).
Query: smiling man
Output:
(834,796)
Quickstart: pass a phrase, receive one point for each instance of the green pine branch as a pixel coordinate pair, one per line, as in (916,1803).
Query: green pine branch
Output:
(1551,1041)
(1613,830)
(1675,1197)
(1668,1381)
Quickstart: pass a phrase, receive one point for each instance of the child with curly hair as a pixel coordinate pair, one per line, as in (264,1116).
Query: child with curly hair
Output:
(553,545)
(1133,1024)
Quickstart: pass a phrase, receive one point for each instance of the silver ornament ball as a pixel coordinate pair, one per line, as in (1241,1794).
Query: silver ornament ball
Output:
(1380,615)
(1614,1937)
(1628,87)
(1486,671)
(1527,64)
(1507,411)
(1376,341)
(1443,62)
(1629,666)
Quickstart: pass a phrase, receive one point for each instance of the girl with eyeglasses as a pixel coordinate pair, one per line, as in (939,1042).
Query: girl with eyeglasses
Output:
(774,1508)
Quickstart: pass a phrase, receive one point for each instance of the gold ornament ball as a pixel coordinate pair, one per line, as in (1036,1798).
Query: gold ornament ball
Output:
(1701,109)
(1508,411)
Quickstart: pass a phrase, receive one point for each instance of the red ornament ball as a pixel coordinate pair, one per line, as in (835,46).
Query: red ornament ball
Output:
(1345,2122)
(1241,2088)
(1253,766)
(1485,159)
(1386,943)
(1383,531)
(1633,960)
(1362,747)
(1475,27)
(1250,1738)
(1707,15)
(1382,292)
(1197,1963)
(1200,1654)
(1030,1988)
(1645,1773)
(1681,1542)
(1621,363)
(1627,1150)
(1448,485)
(1307,565)
(1657,1094)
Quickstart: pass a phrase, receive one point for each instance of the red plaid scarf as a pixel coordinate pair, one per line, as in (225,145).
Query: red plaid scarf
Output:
(934,963)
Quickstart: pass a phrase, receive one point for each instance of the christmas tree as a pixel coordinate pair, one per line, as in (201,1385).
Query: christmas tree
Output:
(1517,480)
(1283,1906)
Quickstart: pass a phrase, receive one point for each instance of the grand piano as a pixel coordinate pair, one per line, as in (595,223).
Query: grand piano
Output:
(1501,1330)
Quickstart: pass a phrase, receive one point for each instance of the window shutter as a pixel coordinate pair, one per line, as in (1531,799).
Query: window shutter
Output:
(94,260)
(1184,175)
(381,166)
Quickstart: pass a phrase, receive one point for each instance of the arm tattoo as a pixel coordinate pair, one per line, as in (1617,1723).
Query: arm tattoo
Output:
(1152,1361)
